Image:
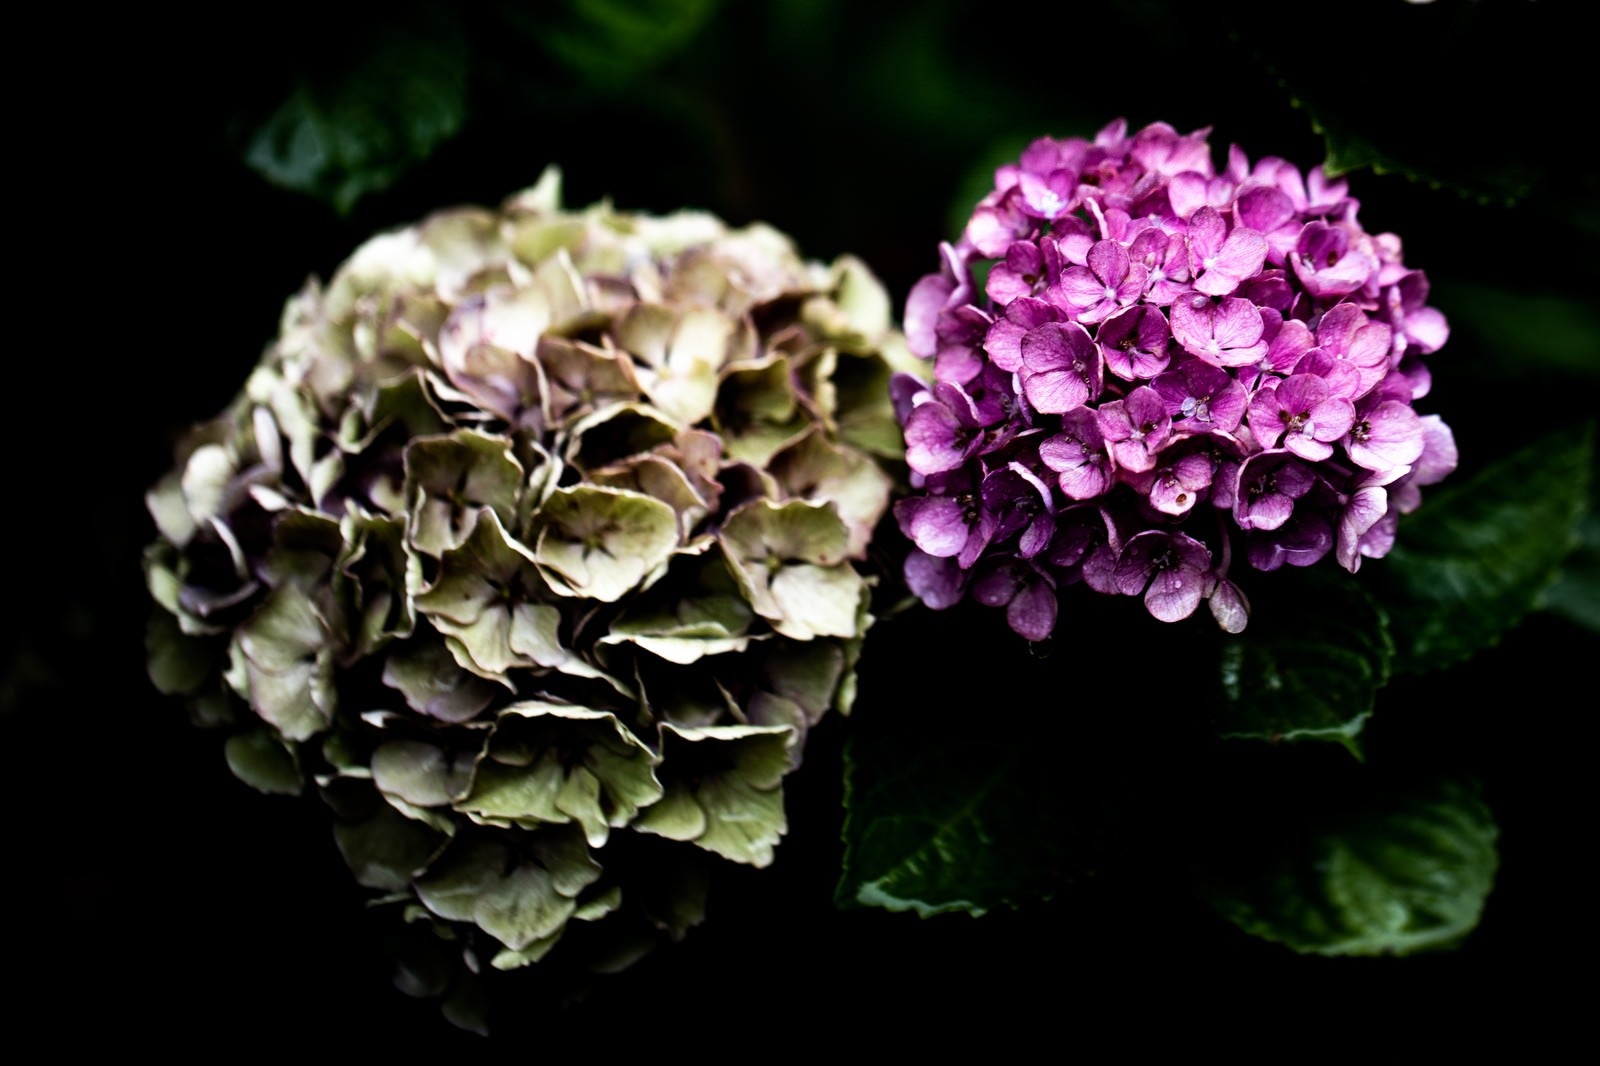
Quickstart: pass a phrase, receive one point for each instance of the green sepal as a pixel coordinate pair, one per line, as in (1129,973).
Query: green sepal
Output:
(552,763)
(601,543)
(383,848)
(177,663)
(758,410)
(682,379)
(420,773)
(816,469)
(723,789)
(520,901)
(787,560)
(370,582)
(660,478)
(486,602)
(434,684)
(286,656)
(581,378)
(695,610)
(450,479)
(856,313)
(264,762)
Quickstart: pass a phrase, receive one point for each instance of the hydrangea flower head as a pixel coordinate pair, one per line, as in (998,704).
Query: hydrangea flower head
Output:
(532,545)
(1196,368)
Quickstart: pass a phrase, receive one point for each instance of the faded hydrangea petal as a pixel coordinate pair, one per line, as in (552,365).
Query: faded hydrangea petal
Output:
(527,505)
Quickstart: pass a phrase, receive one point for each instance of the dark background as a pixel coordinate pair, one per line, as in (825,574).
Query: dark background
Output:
(154,901)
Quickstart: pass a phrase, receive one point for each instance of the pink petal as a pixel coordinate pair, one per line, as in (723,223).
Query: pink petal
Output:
(1238,325)
(1242,254)
(1393,437)
(1187,193)
(1366,506)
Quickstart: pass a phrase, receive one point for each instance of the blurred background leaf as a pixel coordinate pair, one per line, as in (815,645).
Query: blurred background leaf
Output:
(356,125)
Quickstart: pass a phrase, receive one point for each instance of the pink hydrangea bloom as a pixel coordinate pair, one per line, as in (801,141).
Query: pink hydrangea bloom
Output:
(1170,367)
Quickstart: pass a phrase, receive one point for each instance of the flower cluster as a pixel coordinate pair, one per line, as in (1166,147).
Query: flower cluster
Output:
(532,543)
(1161,367)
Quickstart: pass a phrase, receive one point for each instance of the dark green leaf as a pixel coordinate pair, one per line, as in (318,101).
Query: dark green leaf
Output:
(605,42)
(1349,150)
(342,135)
(1389,140)
(955,819)
(1404,871)
(1310,666)
(949,831)
(1575,594)
(1470,563)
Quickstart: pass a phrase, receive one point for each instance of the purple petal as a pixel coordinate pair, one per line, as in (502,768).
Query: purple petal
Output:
(1036,538)
(1135,342)
(1169,495)
(990,231)
(1229,607)
(1032,612)
(1187,193)
(1206,233)
(1292,341)
(1331,419)
(938,583)
(1427,329)
(957,364)
(937,524)
(1173,594)
(1266,511)
(1109,261)
(1055,391)
(997,587)
(1298,394)
(1303,542)
(1263,208)
(1004,341)
(927,299)
(1061,367)
(935,440)
(1080,290)
(1077,455)
(1242,255)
